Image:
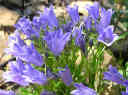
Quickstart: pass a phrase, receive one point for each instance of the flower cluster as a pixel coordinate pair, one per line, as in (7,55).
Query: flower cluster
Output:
(23,74)
(101,23)
(27,27)
(56,41)
(18,48)
(114,76)
(56,37)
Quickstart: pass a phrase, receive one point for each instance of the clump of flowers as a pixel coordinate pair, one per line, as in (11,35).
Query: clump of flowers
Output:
(47,65)
(114,76)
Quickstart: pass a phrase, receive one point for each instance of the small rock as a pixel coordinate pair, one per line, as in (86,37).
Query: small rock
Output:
(1,78)
(14,2)
(7,17)
(79,58)
(60,11)
(3,44)
(107,58)
(5,58)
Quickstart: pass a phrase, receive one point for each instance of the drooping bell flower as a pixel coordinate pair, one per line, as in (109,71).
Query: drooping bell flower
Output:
(114,76)
(66,76)
(77,34)
(23,74)
(93,10)
(79,38)
(88,23)
(82,90)
(74,14)
(56,41)
(68,26)
(26,27)
(91,42)
(50,74)
(48,18)
(37,24)
(104,20)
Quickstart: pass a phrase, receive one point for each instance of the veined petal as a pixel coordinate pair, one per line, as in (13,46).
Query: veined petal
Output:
(74,14)
(107,37)
(56,41)
(106,18)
